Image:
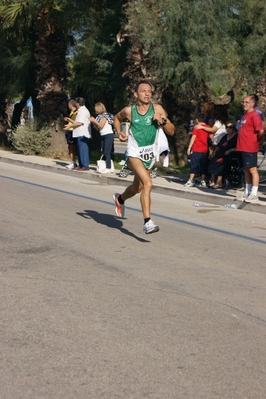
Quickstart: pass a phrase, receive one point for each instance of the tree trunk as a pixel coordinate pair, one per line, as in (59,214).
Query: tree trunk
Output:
(3,121)
(50,53)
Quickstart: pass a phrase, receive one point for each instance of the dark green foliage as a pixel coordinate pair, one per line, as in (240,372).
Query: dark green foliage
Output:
(189,49)
(31,140)
(183,43)
(99,62)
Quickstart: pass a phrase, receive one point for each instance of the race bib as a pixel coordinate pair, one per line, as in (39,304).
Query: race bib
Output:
(146,153)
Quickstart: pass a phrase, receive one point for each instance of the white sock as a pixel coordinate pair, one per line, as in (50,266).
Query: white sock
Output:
(248,188)
(255,190)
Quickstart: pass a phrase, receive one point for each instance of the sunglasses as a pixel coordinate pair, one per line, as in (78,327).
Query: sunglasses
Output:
(229,127)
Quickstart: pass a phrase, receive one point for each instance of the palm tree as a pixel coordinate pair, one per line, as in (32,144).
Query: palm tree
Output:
(40,23)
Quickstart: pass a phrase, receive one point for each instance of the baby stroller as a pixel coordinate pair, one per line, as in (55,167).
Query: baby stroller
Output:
(125,171)
(234,173)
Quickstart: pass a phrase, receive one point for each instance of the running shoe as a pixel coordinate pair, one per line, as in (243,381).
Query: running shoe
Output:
(119,208)
(150,227)
(252,198)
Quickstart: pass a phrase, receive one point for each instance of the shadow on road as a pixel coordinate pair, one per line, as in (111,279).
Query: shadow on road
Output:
(109,221)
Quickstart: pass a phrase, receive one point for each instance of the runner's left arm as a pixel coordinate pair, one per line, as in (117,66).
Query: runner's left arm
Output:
(160,117)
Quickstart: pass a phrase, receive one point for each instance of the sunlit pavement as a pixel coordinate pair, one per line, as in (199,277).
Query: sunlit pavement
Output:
(172,185)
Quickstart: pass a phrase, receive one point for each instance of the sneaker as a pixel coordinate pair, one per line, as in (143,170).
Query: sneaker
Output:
(119,209)
(72,165)
(242,197)
(252,198)
(107,171)
(203,184)
(122,163)
(189,184)
(150,227)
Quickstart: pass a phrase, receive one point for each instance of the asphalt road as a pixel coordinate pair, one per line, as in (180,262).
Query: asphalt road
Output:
(120,147)
(92,308)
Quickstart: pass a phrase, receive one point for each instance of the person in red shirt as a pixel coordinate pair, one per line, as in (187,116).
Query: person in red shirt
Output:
(198,151)
(250,133)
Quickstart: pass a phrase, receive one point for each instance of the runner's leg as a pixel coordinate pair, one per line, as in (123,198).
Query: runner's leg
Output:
(142,183)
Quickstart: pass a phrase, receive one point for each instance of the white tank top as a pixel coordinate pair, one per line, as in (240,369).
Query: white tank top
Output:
(107,129)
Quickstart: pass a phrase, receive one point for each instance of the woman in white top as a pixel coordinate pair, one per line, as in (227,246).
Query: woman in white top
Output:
(218,130)
(104,123)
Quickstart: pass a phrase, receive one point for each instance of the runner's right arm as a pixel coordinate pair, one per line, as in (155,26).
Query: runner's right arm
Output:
(118,118)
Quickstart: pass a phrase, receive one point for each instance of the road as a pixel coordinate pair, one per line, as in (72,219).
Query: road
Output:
(120,147)
(92,308)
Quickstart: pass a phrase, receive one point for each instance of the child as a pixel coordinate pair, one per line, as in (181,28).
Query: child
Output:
(198,151)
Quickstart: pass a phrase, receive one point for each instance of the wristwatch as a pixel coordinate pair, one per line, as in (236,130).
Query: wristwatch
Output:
(164,121)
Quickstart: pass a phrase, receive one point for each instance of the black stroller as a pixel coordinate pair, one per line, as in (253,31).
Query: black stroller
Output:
(234,173)
(125,171)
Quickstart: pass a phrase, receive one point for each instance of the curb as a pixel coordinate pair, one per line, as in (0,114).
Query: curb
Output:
(167,185)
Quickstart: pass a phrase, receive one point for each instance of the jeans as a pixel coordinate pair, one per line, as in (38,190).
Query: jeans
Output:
(83,151)
(107,143)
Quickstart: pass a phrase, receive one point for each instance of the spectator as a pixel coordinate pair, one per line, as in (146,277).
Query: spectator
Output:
(250,133)
(256,108)
(82,132)
(71,141)
(104,123)
(221,156)
(218,129)
(198,152)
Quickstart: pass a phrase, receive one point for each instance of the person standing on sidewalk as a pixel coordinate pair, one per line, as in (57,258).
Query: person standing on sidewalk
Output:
(104,124)
(250,133)
(198,152)
(82,132)
(71,141)
(145,120)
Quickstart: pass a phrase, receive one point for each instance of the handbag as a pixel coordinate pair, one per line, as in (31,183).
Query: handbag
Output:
(101,165)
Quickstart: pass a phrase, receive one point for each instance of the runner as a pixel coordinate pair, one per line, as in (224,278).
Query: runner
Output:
(145,120)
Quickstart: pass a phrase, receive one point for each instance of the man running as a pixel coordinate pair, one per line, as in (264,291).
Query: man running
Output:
(145,120)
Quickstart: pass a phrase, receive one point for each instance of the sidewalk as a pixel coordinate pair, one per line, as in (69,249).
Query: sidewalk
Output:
(167,185)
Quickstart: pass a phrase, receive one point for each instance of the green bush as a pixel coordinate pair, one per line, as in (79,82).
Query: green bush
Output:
(31,140)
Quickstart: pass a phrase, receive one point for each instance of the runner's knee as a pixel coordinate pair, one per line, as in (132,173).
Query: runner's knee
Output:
(147,184)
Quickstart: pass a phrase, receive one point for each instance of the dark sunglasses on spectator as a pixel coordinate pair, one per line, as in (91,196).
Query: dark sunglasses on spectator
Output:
(229,126)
